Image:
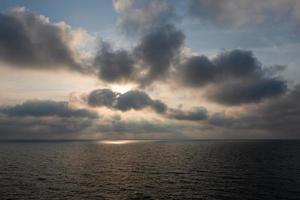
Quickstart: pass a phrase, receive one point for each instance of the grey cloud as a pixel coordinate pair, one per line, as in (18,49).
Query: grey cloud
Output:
(44,119)
(236,77)
(57,120)
(46,108)
(198,71)
(280,117)
(196,114)
(134,99)
(138,100)
(237,64)
(142,16)
(240,13)
(151,59)
(281,114)
(234,93)
(22,127)
(113,66)
(159,106)
(219,119)
(29,40)
(143,129)
(157,50)
(102,97)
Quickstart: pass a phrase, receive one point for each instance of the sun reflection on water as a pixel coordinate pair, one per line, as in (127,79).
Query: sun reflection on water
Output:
(120,141)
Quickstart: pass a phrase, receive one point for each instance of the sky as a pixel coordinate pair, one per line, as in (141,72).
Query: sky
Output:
(149,69)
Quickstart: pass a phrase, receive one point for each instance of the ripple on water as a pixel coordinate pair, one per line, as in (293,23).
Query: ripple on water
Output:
(130,169)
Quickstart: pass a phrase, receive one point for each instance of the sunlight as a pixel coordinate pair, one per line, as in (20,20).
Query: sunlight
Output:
(121,88)
(118,141)
(124,141)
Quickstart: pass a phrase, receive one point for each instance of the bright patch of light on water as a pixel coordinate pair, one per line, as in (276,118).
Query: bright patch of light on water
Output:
(120,141)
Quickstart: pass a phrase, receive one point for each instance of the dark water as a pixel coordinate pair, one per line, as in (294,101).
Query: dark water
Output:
(150,170)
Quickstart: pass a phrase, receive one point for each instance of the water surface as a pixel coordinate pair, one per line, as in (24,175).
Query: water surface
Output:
(150,170)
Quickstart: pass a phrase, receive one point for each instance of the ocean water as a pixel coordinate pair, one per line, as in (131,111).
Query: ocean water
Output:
(150,170)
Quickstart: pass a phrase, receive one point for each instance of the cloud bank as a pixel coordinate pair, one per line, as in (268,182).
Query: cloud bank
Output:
(32,41)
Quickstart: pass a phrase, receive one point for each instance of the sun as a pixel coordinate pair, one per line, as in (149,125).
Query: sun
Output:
(121,88)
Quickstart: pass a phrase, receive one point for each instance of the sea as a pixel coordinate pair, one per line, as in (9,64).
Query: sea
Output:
(150,169)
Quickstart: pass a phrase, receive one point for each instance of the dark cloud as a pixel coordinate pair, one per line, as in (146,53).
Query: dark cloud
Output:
(35,127)
(159,41)
(219,119)
(113,65)
(29,40)
(237,63)
(102,97)
(236,77)
(134,99)
(46,109)
(84,128)
(198,71)
(157,50)
(253,91)
(44,119)
(196,114)
(280,117)
(159,106)
(142,16)
(281,114)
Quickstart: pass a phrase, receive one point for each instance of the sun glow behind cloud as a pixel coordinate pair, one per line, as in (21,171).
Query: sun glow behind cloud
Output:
(121,88)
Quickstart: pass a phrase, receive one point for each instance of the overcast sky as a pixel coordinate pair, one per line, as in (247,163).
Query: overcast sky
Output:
(149,69)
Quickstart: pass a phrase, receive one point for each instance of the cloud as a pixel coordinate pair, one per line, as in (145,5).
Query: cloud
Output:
(235,77)
(44,119)
(196,114)
(139,100)
(279,117)
(140,129)
(31,41)
(240,13)
(157,50)
(143,16)
(234,93)
(46,108)
(102,97)
(237,63)
(149,60)
(57,120)
(22,127)
(113,66)
(198,71)
(281,114)
(133,99)
(234,64)
(159,106)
